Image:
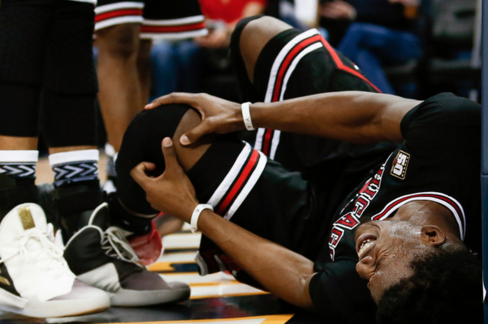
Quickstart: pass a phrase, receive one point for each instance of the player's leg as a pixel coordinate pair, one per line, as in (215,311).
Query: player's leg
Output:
(273,62)
(51,290)
(226,173)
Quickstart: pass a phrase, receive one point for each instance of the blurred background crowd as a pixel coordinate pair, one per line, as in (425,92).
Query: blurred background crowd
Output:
(413,48)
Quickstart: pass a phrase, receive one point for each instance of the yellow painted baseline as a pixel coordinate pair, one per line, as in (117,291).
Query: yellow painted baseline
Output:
(164,266)
(266,319)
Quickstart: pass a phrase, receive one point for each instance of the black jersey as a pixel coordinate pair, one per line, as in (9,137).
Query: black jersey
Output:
(439,161)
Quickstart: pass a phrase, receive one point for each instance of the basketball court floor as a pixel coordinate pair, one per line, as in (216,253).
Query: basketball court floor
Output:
(216,298)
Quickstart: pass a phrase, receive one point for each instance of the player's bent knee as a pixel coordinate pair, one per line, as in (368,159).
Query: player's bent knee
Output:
(252,35)
(189,155)
(259,31)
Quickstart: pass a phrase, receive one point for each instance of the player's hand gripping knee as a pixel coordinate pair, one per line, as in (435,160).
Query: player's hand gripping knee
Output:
(171,192)
(218,115)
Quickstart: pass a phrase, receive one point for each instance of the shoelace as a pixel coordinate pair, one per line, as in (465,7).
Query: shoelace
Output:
(116,246)
(46,250)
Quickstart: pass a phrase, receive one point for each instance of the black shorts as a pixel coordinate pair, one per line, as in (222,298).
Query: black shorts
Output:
(158,18)
(241,183)
(295,64)
(246,187)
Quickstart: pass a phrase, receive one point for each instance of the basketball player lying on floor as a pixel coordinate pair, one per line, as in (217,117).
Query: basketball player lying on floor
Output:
(399,221)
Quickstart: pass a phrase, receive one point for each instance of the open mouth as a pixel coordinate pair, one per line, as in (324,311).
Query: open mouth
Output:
(364,244)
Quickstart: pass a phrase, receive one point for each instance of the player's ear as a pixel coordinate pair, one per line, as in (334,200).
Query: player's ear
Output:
(432,235)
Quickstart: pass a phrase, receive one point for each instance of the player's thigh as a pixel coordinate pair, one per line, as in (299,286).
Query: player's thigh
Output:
(258,194)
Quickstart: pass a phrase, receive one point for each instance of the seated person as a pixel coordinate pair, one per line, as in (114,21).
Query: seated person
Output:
(379,33)
(401,221)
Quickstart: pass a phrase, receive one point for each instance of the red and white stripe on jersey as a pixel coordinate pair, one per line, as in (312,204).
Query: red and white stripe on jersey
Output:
(267,140)
(118,13)
(187,27)
(449,202)
(238,182)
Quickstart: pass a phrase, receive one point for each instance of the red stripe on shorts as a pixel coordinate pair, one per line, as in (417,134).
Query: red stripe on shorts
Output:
(279,80)
(239,183)
(118,13)
(172,29)
(344,67)
(286,63)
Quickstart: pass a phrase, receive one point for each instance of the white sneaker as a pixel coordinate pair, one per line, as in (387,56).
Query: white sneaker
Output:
(35,280)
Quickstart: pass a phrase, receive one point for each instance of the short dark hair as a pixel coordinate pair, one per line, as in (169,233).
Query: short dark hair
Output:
(446,287)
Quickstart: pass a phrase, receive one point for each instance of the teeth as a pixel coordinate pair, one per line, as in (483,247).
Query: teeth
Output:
(364,246)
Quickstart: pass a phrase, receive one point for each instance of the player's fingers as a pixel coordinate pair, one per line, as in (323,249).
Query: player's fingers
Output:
(194,134)
(175,97)
(138,173)
(149,166)
(169,153)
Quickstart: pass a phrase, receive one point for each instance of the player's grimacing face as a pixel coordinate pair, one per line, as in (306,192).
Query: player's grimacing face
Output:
(385,250)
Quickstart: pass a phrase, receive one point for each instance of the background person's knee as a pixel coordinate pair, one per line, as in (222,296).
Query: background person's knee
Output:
(120,41)
(69,68)
(24,29)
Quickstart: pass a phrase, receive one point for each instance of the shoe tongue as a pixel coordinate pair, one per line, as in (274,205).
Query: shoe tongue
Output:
(21,219)
(25,217)
(32,216)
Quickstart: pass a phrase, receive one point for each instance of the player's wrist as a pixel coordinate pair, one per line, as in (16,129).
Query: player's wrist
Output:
(246,116)
(197,212)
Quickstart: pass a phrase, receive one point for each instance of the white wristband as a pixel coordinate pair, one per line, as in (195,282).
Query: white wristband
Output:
(196,215)
(246,116)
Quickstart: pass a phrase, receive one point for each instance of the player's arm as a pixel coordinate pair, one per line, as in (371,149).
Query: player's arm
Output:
(281,271)
(354,116)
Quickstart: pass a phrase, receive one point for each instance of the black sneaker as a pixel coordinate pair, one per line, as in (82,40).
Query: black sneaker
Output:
(101,257)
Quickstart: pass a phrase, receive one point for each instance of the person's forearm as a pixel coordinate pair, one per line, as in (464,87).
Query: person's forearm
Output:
(354,116)
(281,271)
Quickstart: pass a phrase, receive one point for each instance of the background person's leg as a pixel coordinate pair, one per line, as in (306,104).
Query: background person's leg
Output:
(373,46)
(25,29)
(124,33)
(68,118)
(121,93)
(144,70)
